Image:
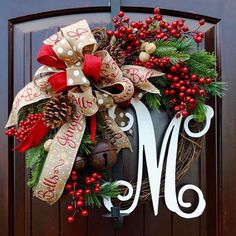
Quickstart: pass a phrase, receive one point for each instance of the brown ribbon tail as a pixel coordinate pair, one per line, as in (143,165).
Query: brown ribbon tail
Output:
(113,133)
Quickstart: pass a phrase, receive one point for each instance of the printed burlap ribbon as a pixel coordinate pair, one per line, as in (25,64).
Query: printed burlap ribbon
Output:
(71,63)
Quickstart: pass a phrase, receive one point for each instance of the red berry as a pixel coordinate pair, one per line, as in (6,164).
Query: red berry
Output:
(184,113)
(208,80)
(117,34)
(73,173)
(122,29)
(92,180)
(134,24)
(198,39)
(81,198)
(72,193)
(78,194)
(180,23)
(126,19)
(68,187)
(95,175)
(129,30)
(185,28)
(109,33)
(79,204)
(148,20)
(176,108)
(74,177)
(182,88)
(99,177)
(121,14)
(156,10)
(70,208)
(193,77)
(84,213)
(70,219)
(87,191)
(173,69)
(202,22)
(97,190)
(184,70)
(181,95)
(201,80)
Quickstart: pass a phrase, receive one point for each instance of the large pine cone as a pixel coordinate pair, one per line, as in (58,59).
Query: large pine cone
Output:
(117,54)
(58,111)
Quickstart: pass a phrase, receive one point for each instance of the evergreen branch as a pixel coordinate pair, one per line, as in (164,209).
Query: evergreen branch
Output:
(216,88)
(201,69)
(109,189)
(35,159)
(182,44)
(86,145)
(200,111)
(204,57)
(106,190)
(171,52)
(153,101)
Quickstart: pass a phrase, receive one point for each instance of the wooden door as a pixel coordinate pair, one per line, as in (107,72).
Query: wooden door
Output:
(24,25)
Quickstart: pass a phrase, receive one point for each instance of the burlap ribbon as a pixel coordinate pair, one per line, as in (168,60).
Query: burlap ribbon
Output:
(67,50)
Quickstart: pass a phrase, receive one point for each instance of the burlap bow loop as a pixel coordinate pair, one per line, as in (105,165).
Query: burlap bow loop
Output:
(73,42)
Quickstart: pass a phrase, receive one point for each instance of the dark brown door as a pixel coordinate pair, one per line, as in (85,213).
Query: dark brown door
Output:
(24,25)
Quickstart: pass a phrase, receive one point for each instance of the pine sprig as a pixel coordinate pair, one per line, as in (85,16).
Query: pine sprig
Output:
(153,101)
(172,53)
(182,44)
(86,145)
(201,69)
(35,159)
(107,190)
(200,111)
(204,57)
(216,88)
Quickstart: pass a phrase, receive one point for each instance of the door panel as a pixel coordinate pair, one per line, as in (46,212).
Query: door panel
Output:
(24,215)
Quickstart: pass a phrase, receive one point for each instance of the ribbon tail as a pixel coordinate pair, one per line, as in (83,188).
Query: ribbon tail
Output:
(113,133)
(35,137)
(93,127)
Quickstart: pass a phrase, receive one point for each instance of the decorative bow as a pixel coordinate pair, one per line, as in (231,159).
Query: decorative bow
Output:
(71,63)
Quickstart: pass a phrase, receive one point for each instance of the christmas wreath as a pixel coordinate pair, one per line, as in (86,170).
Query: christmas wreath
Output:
(71,118)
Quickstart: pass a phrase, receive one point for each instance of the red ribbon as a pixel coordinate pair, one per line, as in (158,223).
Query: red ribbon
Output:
(93,127)
(47,56)
(35,137)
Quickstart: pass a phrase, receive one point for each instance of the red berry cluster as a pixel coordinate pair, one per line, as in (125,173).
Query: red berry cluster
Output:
(133,32)
(184,88)
(25,126)
(78,194)
(153,62)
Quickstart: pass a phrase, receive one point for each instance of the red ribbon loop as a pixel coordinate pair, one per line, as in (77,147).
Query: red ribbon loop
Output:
(48,57)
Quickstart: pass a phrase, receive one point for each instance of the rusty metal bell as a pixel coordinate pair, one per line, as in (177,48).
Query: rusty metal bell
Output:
(104,156)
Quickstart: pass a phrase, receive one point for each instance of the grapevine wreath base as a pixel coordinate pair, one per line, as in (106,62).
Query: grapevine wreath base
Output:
(72,122)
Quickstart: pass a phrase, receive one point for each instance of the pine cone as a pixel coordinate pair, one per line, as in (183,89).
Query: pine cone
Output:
(58,111)
(101,37)
(117,54)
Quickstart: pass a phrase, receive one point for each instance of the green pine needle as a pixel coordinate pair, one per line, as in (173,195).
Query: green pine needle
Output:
(35,159)
(216,88)
(204,57)
(107,190)
(200,111)
(182,44)
(201,69)
(153,101)
(86,145)
(172,53)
